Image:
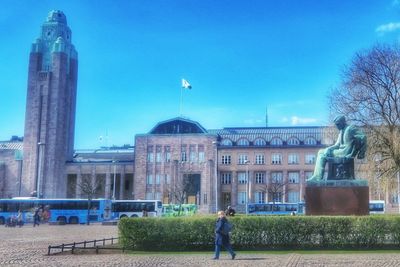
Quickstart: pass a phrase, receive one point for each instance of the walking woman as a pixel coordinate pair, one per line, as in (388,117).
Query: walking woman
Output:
(222,237)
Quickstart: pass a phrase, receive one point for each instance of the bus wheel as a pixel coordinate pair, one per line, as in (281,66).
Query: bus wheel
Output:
(123,216)
(2,220)
(73,220)
(61,220)
(134,216)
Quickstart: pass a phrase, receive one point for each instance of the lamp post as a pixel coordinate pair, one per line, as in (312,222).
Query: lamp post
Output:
(216,175)
(115,174)
(39,176)
(398,189)
(247,162)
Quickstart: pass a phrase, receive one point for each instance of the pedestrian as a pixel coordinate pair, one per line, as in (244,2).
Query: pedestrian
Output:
(222,236)
(36,217)
(19,219)
(144,213)
(230,211)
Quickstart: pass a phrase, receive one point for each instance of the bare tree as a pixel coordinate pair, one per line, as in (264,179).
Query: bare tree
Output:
(369,96)
(275,190)
(179,191)
(90,188)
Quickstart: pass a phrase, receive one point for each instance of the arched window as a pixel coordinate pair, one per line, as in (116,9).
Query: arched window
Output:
(276,141)
(260,142)
(243,142)
(226,142)
(310,141)
(293,141)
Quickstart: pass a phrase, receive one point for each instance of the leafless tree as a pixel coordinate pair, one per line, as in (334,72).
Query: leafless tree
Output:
(274,189)
(178,192)
(90,188)
(369,96)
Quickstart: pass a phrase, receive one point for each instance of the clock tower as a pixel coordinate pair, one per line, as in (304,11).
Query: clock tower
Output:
(50,109)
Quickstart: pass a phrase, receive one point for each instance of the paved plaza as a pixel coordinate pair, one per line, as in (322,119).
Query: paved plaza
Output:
(27,246)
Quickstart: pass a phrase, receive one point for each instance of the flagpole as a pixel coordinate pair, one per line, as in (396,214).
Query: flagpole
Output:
(180,103)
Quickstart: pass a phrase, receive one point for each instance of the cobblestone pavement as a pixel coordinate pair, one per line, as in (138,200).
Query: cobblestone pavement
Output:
(27,246)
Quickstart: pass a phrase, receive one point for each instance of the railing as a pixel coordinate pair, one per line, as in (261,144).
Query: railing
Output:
(92,244)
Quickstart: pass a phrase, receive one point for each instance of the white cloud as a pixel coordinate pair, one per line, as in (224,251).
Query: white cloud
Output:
(297,120)
(390,27)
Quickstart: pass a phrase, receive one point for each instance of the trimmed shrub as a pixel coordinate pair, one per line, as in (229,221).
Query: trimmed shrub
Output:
(262,232)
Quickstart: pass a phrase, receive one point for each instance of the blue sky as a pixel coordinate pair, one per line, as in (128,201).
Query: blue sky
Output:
(239,56)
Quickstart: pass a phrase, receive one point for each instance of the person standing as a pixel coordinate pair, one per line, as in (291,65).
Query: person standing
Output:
(36,217)
(222,238)
(19,219)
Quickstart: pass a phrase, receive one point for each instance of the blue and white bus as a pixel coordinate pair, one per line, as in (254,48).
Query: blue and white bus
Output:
(376,206)
(276,208)
(136,208)
(71,211)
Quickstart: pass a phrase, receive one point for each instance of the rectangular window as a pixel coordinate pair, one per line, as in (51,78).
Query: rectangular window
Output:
(150,154)
(260,177)
(158,154)
(158,196)
(259,197)
(260,159)
(293,197)
(205,199)
(183,153)
(242,196)
(167,150)
(201,153)
(149,179)
(226,178)
(192,153)
(242,159)
(293,177)
(277,177)
(242,177)
(158,178)
(226,159)
(293,159)
(310,159)
(276,159)
(277,196)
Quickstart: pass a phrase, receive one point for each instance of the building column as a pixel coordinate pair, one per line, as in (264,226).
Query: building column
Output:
(107,188)
(78,190)
(234,190)
(285,182)
(121,182)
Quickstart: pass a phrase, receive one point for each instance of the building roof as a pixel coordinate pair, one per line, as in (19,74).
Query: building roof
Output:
(268,133)
(178,125)
(12,145)
(119,154)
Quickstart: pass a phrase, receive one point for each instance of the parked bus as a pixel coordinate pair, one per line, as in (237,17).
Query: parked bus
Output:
(136,208)
(376,207)
(174,210)
(276,208)
(71,211)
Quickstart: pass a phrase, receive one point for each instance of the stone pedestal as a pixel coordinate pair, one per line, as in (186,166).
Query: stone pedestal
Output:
(337,198)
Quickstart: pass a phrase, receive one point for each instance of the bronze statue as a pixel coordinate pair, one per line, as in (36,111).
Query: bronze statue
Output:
(351,143)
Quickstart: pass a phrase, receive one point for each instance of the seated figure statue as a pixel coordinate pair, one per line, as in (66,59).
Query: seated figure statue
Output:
(351,143)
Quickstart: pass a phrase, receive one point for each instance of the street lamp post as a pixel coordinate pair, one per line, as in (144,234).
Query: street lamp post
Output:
(39,176)
(216,175)
(398,189)
(247,162)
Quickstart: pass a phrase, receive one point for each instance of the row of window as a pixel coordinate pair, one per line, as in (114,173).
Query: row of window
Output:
(276,141)
(276,159)
(260,177)
(260,197)
(156,179)
(191,153)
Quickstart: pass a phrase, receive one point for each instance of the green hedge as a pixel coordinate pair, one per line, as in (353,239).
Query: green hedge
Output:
(263,232)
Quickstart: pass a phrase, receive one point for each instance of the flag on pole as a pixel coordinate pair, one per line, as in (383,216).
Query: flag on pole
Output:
(186,84)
